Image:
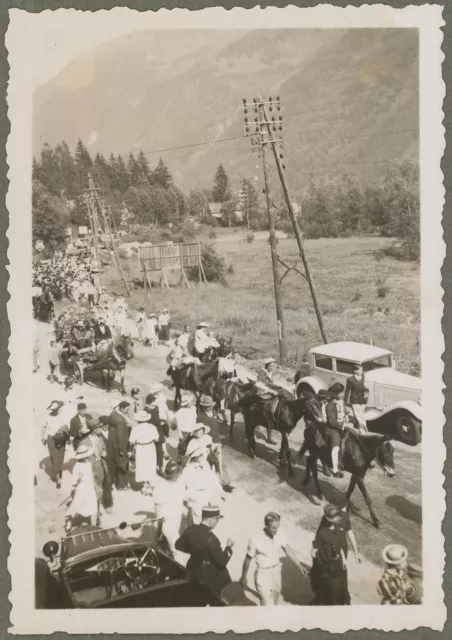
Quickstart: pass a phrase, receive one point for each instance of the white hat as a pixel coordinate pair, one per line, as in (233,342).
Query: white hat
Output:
(83,452)
(186,400)
(142,416)
(197,427)
(155,388)
(203,324)
(152,315)
(269,361)
(395,554)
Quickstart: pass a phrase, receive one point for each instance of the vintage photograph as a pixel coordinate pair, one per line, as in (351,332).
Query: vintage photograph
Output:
(232,318)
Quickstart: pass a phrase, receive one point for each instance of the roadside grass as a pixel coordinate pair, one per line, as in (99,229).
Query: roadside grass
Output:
(345,271)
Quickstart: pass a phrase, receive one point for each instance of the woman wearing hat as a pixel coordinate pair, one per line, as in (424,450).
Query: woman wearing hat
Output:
(84,502)
(201,483)
(143,437)
(164,326)
(151,333)
(55,435)
(168,492)
(156,405)
(203,341)
(329,551)
(185,419)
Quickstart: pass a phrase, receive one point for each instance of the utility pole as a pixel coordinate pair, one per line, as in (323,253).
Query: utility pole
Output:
(278,123)
(94,223)
(262,141)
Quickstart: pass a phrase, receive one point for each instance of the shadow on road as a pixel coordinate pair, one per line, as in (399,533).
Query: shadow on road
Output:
(46,465)
(296,589)
(406,508)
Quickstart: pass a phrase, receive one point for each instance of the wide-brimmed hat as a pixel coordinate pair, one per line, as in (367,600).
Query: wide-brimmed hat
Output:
(206,401)
(332,513)
(196,427)
(203,324)
(60,403)
(186,400)
(156,387)
(142,416)
(268,361)
(394,554)
(152,315)
(165,310)
(335,389)
(211,511)
(83,452)
(69,380)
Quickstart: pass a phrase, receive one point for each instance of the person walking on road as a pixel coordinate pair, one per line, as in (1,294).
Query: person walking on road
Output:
(156,405)
(151,333)
(102,477)
(207,417)
(84,500)
(54,362)
(79,429)
(208,561)
(143,437)
(202,485)
(329,580)
(164,326)
(355,398)
(117,445)
(266,549)
(55,435)
(168,494)
(140,322)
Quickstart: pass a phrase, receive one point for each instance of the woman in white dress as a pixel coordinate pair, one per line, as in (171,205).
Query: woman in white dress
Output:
(202,485)
(168,493)
(143,437)
(84,498)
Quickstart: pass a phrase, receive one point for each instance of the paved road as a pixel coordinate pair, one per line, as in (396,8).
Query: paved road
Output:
(259,489)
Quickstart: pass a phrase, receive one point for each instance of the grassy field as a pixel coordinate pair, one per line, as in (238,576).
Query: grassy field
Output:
(363,296)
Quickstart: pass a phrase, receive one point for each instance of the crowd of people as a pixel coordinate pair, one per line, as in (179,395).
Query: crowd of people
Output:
(175,458)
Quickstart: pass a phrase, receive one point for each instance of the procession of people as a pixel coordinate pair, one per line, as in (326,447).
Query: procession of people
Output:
(175,459)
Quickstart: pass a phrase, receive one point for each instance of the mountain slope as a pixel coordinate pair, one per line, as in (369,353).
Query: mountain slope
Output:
(350,99)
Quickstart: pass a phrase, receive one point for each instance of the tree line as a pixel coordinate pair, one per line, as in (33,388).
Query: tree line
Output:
(139,195)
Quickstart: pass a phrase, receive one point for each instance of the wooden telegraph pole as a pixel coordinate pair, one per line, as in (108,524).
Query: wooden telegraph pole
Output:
(94,222)
(260,139)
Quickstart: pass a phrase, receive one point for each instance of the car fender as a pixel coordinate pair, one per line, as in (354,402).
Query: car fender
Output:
(407,405)
(313,382)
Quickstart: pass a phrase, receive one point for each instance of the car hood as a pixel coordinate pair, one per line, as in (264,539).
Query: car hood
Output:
(391,377)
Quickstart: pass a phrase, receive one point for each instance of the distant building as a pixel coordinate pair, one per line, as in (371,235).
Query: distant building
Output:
(215,210)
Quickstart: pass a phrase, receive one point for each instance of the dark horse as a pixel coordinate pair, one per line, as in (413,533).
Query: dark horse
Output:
(213,353)
(357,453)
(229,395)
(113,358)
(192,378)
(278,413)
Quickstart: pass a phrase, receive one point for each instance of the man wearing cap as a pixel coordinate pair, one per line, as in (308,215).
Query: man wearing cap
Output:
(266,549)
(117,445)
(78,428)
(335,416)
(203,341)
(329,551)
(208,561)
(164,326)
(207,417)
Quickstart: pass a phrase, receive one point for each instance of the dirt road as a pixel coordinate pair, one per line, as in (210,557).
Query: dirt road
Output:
(259,488)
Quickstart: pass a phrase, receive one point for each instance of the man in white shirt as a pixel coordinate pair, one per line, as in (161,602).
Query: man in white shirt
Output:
(203,340)
(164,320)
(266,549)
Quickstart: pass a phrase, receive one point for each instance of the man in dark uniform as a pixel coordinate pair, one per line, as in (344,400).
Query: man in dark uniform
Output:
(117,445)
(207,563)
(335,417)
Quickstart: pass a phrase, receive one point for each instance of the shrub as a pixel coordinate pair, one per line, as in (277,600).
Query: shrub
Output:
(250,237)
(212,234)
(382,288)
(356,296)
(230,270)
(214,265)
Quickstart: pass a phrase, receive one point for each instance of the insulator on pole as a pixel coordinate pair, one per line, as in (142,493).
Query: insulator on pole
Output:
(244,101)
(246,110)
(270,99)
(254,99)
(278,98)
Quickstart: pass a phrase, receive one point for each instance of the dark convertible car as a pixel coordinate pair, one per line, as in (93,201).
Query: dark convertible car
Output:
(124,567)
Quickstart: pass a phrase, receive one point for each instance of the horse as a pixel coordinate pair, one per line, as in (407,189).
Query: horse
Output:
(280,414)
(213,353)
(109,358)
(358,451)
(192,378)
(229,395)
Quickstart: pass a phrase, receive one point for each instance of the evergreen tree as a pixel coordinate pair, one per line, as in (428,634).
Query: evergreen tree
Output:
(122,177)
(161,176)
(221,191)
(133,170)
(249,203)
(70,179)
(197,204)
(143,166)
(49,217)
(82,158)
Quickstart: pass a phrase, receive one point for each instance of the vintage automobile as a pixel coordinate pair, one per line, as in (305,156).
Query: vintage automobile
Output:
(124,567)
(394,397)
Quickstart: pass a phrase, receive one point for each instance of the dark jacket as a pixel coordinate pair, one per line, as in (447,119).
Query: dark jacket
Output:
(355,391)
(207,563)
(118,432)
(75,431)
(98,335)
(332,417)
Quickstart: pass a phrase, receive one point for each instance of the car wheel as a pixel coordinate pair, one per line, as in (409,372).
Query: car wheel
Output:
(303,389)
(408,429)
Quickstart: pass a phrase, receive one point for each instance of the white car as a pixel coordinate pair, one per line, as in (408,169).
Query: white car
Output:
(394,397)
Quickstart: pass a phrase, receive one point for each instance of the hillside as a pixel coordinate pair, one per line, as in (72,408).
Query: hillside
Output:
(176,88)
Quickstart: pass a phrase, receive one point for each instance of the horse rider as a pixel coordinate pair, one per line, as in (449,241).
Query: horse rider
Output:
(204,341)
(336,421)
(355,398)
(314,417)
(184,340)
(80,336)
(179,356)
(266,386)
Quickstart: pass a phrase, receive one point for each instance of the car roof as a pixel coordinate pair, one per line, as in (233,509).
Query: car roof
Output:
(353,351)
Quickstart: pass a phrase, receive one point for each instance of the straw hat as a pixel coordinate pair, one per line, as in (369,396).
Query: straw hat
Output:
(83,452)
(142,416)
(394,554)
(156,388)
(186,401)
(203,324)
(269,361)
(206,401)
(196,427)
